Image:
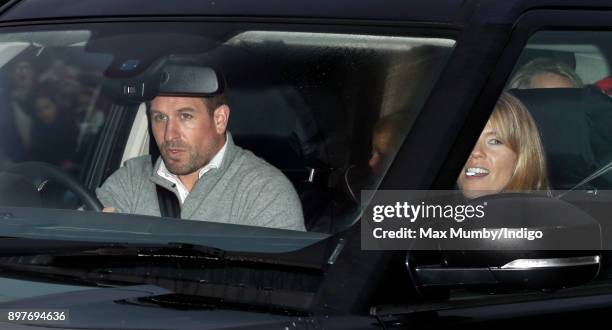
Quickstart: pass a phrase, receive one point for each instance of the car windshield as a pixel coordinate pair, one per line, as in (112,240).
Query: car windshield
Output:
(317,115)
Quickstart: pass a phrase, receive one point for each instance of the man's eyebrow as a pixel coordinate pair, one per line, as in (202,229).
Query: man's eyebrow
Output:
(185,109)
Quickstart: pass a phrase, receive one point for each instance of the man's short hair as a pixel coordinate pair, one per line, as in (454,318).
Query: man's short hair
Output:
(211,103)
(214,102)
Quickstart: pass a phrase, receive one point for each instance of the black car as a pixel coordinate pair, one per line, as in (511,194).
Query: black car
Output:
(351,101)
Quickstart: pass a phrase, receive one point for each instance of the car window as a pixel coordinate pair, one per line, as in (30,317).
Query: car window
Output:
(581,107)
(328,110)
(46,92)
(559,96)
(55,107)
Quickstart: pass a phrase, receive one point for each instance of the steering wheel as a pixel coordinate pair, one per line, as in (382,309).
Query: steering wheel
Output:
(38,173)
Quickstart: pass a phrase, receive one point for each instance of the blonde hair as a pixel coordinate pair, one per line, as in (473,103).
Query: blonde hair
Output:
(518,130)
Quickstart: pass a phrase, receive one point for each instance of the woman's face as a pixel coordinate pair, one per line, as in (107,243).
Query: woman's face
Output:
(45,110)
(23,74)
(490,166)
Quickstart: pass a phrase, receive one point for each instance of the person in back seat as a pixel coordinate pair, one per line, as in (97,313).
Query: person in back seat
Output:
(387,136)
(508,155)
(545,73)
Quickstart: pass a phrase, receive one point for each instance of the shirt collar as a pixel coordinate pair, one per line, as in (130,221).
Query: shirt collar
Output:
(216,161)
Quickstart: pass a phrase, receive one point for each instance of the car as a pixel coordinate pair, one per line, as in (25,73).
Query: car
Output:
(356,104)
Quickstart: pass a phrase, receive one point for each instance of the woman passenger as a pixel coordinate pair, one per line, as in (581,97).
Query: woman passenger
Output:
(508,156)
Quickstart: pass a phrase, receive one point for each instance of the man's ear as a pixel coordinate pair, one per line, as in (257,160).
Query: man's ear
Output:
(220,118)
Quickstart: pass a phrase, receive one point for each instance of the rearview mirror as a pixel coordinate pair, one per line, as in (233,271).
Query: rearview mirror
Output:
(161,78)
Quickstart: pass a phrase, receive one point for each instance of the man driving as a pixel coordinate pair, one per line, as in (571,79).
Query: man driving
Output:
(214,179)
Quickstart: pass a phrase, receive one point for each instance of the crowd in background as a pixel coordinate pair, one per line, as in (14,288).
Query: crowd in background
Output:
(50,112)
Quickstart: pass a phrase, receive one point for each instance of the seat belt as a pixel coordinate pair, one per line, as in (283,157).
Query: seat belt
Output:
(168,203)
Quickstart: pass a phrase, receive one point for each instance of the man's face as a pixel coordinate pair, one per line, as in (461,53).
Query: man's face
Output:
(188,136)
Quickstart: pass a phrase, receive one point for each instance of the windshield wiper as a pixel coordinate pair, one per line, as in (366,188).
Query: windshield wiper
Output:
(167,251)
(185,302)
(60,249)
(290,280)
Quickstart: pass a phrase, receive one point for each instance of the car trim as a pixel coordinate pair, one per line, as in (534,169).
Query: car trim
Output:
(552,262)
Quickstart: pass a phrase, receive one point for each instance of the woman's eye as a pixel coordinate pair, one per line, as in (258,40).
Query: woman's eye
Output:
(494,141)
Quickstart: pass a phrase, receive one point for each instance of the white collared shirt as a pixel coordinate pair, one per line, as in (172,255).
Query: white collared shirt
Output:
(180,187)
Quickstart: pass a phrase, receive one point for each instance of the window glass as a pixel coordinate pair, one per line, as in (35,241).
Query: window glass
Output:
(54,107)
(562,85)
(574,69)
(328,110)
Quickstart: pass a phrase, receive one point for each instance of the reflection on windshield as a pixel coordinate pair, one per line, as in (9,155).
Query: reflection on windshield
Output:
(53,109)
(313,106)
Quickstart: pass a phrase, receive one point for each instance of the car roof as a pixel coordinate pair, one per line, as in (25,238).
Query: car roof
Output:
(456,12)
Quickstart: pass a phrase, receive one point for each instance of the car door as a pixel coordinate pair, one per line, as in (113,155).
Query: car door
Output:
(574,127)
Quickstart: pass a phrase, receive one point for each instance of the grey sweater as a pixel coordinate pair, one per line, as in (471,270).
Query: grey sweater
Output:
(244,190)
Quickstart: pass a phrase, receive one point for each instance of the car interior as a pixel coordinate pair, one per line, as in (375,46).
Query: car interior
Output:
(311,113)
(306,105)
(583,116)
(574,123)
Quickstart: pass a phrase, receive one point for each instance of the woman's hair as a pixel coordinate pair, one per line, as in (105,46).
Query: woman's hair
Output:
(522,78)
(518,130)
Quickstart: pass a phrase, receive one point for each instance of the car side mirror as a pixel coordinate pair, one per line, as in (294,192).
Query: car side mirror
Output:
(569,253)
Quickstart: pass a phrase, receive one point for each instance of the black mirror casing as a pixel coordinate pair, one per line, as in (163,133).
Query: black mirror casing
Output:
(568,253)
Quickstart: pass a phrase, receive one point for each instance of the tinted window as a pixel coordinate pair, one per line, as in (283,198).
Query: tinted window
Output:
(329,110)
(562,79)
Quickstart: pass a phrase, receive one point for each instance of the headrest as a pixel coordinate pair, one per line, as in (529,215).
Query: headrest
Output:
(574,125)
(283,152)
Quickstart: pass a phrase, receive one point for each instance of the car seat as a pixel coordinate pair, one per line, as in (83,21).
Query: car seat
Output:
(575,126)
(275,126)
